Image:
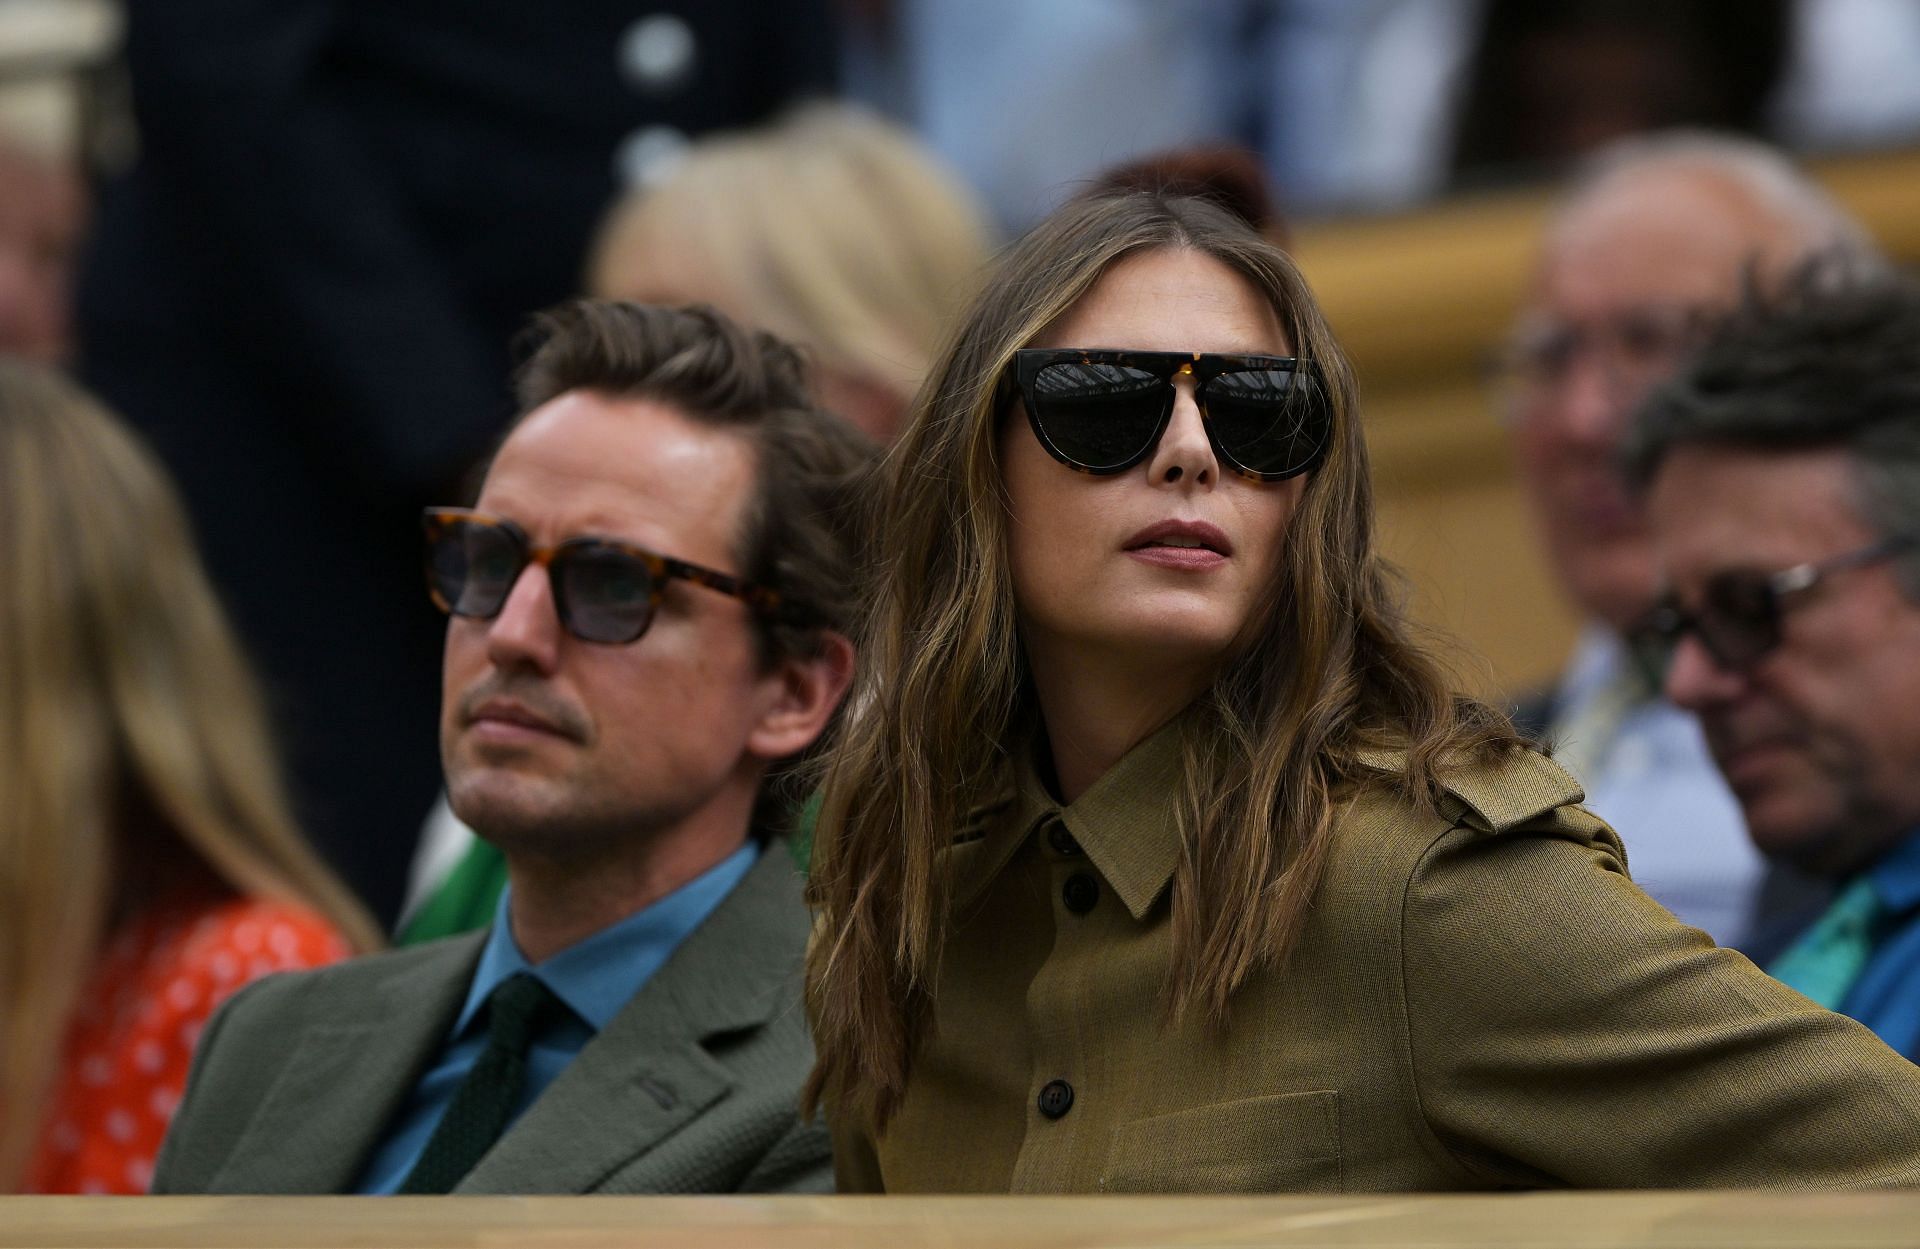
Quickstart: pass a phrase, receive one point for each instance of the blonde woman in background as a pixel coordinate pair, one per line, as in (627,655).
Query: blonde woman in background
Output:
(149,866)
(832,229)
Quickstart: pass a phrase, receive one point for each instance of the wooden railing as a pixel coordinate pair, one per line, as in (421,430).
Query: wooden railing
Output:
(1664,1220)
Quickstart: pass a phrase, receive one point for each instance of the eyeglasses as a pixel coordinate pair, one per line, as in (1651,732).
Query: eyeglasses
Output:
(1739,618)
(1102,412)
(604,591)
(1633,350)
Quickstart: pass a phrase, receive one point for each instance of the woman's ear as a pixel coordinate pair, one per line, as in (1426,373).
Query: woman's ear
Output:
(804,694)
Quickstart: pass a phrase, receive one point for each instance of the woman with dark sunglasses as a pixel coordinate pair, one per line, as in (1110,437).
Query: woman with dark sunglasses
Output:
(1159,853)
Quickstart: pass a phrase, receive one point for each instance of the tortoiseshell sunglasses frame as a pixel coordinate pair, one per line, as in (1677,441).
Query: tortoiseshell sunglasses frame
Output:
(439,521)
(1202,366)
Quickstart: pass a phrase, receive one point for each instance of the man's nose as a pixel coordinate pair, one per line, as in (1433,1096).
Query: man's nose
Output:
(1184,455)
(527,632)
(1589,402)
(1696,680)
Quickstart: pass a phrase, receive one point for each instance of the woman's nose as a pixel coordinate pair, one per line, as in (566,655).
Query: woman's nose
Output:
(1185,454)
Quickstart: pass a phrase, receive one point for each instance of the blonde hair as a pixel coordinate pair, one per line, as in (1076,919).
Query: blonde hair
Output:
(1329,667)
(833,230)
(122,690)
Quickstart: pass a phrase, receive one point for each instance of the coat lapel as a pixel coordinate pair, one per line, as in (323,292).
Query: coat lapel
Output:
(343,1083)
(649,1073)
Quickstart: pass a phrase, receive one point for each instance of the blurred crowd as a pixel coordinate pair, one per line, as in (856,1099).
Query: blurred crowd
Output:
(265,266)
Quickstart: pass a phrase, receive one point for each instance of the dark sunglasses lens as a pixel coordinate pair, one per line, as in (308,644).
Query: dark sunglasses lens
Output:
(1100,416)
(608,593)
(473,567)
(1270,421)
(1740,619)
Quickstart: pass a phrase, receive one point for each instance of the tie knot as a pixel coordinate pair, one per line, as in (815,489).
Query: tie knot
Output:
(517,1008)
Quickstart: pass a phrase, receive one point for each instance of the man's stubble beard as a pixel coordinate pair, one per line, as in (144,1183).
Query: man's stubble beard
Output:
(568,827)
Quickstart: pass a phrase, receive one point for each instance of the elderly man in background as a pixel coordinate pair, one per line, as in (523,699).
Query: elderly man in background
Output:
(1783,477)
(1651,246)
(649,606)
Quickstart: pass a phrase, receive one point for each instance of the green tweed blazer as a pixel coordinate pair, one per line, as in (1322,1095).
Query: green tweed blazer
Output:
(1480,999)
(692,1088)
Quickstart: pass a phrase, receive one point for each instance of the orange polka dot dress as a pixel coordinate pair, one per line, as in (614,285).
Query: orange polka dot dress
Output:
(136,1021)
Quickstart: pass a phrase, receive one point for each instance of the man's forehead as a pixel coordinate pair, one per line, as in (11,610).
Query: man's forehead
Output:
(1662,236)
(1718,508)
(627,467)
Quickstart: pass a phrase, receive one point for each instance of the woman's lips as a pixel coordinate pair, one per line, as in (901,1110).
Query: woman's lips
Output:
(1186,558)
(1189,545)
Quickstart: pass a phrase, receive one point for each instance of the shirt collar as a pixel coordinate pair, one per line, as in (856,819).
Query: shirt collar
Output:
(1127,821)
(1896,877)
(598,976)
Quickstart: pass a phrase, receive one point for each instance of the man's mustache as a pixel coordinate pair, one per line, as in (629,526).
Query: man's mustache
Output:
(535,696)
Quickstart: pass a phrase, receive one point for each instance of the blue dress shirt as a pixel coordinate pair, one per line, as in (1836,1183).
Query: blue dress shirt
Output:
(1886,997)
(595,978)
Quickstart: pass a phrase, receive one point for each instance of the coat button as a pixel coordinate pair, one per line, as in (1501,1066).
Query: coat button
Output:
(1081,892)
(1061,840)
(1056,1099)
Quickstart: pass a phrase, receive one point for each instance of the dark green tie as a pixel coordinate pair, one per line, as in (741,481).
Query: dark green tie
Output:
(518,1008)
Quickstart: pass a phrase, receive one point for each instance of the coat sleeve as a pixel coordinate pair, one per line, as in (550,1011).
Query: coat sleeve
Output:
(1564,1028)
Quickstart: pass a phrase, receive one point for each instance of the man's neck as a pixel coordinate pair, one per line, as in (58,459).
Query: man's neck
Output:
(556,903)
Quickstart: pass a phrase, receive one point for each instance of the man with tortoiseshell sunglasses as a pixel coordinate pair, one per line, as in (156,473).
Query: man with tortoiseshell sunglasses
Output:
(1782,476)
(647,616)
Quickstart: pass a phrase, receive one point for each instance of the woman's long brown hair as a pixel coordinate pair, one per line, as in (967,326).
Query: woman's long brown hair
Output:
(1327,667)
(135,736)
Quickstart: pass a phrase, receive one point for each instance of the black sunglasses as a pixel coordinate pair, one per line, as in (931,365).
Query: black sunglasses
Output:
(1739,618)
(604,590)
(1104,411)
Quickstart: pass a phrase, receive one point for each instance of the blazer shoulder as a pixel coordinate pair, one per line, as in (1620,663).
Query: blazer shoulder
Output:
(1525,794)
(326,990)
(1492,795)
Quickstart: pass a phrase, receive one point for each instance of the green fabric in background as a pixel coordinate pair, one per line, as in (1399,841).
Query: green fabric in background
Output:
(464,901)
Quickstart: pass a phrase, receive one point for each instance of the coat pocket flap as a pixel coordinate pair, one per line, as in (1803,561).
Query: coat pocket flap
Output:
(1281,1142)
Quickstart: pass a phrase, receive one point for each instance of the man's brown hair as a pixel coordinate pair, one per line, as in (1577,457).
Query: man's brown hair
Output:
(799,536)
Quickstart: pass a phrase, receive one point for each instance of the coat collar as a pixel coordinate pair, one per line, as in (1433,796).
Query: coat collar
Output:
(1127,822)
(1129,827)
(344,1081)
(650,1072)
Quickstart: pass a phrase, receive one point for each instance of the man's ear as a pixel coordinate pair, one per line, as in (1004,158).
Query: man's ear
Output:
(806,692)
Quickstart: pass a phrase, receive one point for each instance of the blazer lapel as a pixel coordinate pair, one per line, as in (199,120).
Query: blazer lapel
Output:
(343,1083)
(649,1073)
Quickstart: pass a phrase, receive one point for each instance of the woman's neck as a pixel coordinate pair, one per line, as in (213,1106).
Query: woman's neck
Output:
(1095,712)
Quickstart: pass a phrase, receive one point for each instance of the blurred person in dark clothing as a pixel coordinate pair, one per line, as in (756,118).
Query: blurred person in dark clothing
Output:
(1550,83)
(303,291)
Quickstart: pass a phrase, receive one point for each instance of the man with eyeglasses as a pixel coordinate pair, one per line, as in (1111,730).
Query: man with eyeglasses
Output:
(1782,475)
(1649,249)
(648,615)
